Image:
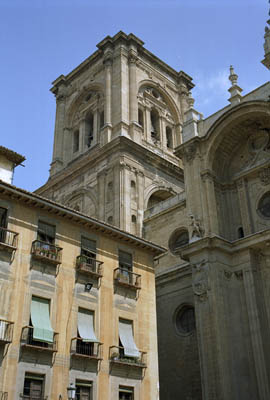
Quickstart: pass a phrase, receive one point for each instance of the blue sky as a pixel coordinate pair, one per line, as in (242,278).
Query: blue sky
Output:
(41,39)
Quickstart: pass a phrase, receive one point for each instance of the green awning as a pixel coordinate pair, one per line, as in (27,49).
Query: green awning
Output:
(40,316)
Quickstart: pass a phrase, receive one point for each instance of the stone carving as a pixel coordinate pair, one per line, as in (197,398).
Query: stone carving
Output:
(239,275)
(200,280)
(196,229)
(264,176)
(227,274)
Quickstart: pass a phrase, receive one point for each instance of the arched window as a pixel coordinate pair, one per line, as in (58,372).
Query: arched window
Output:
(133,190)
(140,117)
(89,130)
(240,232)
(76,141)
(169,137)
(154,125)
(158,197)
(178,239)
(133,224)
(185,322)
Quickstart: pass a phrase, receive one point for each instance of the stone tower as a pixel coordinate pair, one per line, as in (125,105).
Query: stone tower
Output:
(119,116)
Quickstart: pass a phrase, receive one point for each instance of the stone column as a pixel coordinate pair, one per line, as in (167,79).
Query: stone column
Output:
(140,201)
(148,124)
(106,131)
(95,126)
(133,101)
(162,133)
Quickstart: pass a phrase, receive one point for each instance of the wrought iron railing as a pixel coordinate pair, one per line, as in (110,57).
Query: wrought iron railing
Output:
(6,331)
(117,355)
(127,278)
(87,349)
(3,395)
(46,251)
(28,340)
(8,238)
(89,265)
(32,397)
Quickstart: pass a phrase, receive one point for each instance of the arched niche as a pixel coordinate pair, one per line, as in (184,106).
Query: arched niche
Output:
(157,197)
(82,200)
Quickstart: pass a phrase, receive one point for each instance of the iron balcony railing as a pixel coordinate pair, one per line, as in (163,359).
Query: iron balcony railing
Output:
(127,278)
(46,251)
(117,355)
(8,238)
(28,341)
(89,265)
(85,349)
(6,332)
(3,395)
(32,397)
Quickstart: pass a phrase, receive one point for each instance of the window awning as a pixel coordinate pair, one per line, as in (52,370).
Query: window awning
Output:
(86,326)
(127,340)
(40,317)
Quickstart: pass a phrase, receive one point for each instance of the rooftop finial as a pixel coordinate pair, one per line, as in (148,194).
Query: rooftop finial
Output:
(266,60)
(233,76)
(235,90)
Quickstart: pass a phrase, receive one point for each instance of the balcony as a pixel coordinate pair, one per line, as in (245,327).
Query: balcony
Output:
(89,266)
(127,278)
(3,395)
(28,342)
(46,252)
(8,240)
(6,332)
(117,356)
(31,397)
(80,348)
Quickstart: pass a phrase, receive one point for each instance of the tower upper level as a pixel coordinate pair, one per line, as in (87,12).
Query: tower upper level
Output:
(120,90)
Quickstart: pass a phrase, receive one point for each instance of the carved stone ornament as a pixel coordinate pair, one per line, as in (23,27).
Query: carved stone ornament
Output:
(239,275)
(200,280)
(264,176)
(190,152)
(227,274)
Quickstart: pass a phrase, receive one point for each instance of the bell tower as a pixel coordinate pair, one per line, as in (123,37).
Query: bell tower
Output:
(119,116)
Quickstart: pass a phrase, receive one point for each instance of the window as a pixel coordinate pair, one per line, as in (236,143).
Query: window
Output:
(125,260)
(76,140)
(140,117)
(185,320)
(88,247)
(3,224)
(154,125)
(89,130)
(264,206)
(46,232)
(83,390)
(240,232)
(126,339)
(178,239)
(169,138)
(33,387)
(126,393)
(41,332)
(101,119)
(86,333)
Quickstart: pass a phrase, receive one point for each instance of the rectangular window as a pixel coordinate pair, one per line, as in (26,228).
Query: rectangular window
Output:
(125,260)
(33,386)
(88,247)
(83,390)
(3,217)
(76,141)
(46,232)
(86,333)
(126,393)
(126,338)
(40,318)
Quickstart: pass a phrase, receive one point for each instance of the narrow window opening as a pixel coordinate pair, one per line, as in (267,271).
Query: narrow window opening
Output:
(76,140)
(140,117)
(101,119)
(240,232)
(169,137)
(154,126)
(89,132)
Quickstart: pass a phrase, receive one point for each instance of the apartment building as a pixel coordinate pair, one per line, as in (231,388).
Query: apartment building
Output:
(77,303)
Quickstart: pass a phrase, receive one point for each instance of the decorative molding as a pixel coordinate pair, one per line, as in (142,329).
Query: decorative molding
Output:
(264,176)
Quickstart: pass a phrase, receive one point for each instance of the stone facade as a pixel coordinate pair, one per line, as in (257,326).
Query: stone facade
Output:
(131,149)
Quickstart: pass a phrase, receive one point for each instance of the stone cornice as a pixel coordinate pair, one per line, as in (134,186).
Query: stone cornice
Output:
(118,145)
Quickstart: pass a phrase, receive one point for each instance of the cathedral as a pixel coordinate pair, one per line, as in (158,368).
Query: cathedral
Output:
(131,150)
